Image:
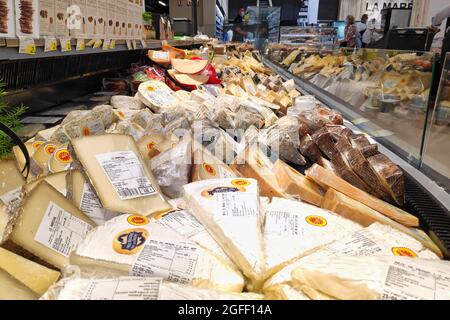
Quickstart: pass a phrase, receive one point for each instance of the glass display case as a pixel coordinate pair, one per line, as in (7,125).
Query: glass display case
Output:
(309,36)
(384,92)
(262,25)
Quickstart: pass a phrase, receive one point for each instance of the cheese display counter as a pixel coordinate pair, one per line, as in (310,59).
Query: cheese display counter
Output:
(216,179)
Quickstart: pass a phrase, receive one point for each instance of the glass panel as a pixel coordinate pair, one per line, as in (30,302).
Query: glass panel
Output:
(436,159)
(309,36)
(385,92)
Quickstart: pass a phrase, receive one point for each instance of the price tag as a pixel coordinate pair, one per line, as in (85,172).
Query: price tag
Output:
(112,44)
(98,44)
(144,44)
(66,45)
(90,43)
(50,44)
(134,44)
(129,45)
(106,44)
(27,45)
(80,45)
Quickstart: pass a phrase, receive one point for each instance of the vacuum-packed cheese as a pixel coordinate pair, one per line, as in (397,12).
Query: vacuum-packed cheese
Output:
(59,161)
(11,182)
(230,211)
(35,276)
(49,226)
(156,95)
(136,288)
(135,245)
(119,175)
(56,180)
(126,102)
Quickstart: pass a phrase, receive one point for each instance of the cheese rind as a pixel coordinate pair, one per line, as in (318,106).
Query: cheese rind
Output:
(113,148)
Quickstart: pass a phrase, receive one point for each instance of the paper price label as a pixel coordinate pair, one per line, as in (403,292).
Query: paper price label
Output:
(50,44)
(98,44)
(112,44)
(80,45)
(90,43)
(27,45)
(106,44)
(129,45)
(66,45)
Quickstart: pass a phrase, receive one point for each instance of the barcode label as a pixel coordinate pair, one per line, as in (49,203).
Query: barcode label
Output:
(126,174)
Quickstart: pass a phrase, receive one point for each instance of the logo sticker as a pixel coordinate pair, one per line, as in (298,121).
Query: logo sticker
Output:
(37,144)
(403,252)
(50,149)
(130,241)
(240,183)
(151,145)
(63,156)
(208,168)
(150,88)
(136,220)
(86,131)
(316,221)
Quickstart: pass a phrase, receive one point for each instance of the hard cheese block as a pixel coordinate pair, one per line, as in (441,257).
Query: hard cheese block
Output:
(11,182)
(156,95)
(375,278)
(294,229)
(365,216)
(49,226)
(376,240)
(83,195)
(56,180)
(119,175)
(5,223)
(323,176)
(136,288)
(230,210)
(135,245)
(295,184)
(13,289)
(36,277)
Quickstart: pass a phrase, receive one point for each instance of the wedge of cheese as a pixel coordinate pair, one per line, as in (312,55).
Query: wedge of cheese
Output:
(365,216)
(41,156)
(189,66)
(294,229)
(36,277)
(126,102)
(328,178)
(13,289)
(56,180)
(83,195)
(207,166)
(11,182)
(49,226)
(136,288)
(135,245)
(156,95)
(153,144)
(285,292)
(378,239)
(252,163)
(59,161)
(119,175)
(45,135)
(375,278)
(18,154)
(295,184)
(230,211)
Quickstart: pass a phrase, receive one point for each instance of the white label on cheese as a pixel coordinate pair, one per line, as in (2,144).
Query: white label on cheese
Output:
(282,224)
(159,96)
(183,223)
(61,231)
(125,172)
(11,198)
(161,55)
(91,206)
(409,281)
(173,260)
(124,288)
(93,126)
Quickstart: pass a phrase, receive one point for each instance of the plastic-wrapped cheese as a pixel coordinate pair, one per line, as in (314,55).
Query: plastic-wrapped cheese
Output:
(59,161)
(40,158)
(18,154)
(135,245)
(126,102)
(156,95)
(230,210)
(119,175)
(152,144)
(49,226)
(136,288)
(378,239)
(5,223)
(143,118)
(375,278)
(11,182)
(56,180)
(294,229)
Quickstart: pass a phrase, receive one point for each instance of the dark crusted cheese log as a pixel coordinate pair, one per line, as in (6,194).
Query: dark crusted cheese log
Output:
(325,142)
(309,149)
(390,175)
(363,169)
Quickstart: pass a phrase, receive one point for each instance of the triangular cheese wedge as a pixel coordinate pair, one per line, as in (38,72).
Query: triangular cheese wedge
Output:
(230,210)
(13,289)
(36,277)
(56,180)
(295,184)
(135,245)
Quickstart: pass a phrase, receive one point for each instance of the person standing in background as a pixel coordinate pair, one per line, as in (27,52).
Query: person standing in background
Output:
(367,37)
(350,33)
(436,22)
(238,29)
(361,28)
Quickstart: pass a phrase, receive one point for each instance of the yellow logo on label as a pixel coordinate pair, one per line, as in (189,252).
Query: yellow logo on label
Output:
(130,241)
(137,220)
(403,252)
(50,149)
(63,156)
(151,145)
(86,131)
(122,114)
(240,183)
(316,221)
(37,144)
(150,88)
(208,168)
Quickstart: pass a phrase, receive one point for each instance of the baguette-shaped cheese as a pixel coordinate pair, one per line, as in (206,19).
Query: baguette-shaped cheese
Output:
(295,184)
(12,289)
(36,277)
(49,226)
(135,245)
(323,176)
(365,216)
(119,174)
